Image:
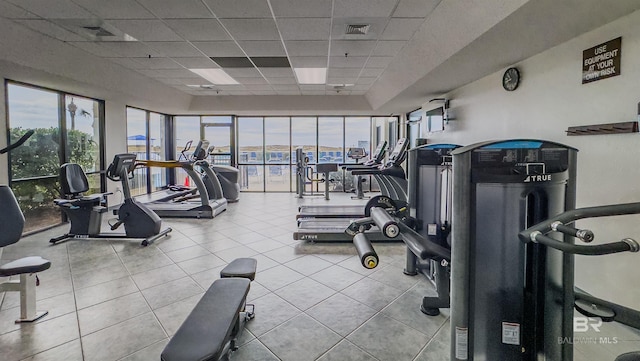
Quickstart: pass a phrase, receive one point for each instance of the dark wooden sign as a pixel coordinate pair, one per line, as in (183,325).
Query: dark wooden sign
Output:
(602,61)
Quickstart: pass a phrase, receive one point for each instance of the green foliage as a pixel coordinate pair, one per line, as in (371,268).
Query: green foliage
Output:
(40,157)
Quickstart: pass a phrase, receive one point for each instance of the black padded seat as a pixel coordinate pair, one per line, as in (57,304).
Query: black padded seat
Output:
(240,267)
(206,331)
(32,264)
(326,167)
(630,356)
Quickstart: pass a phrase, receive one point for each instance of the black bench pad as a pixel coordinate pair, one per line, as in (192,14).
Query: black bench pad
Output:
(208,327)
(631,356)
(25,265)
(240,267)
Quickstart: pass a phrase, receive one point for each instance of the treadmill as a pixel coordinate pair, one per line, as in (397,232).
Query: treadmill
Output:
(332,229)
(390,177)
(198,204)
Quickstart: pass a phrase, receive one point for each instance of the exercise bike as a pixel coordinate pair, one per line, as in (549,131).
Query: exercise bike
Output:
(11,226)
(85,212)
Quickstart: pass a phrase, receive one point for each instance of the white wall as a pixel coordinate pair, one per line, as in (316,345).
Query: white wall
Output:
(551,98)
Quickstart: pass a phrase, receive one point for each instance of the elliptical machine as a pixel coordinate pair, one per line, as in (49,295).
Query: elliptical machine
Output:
(85,212)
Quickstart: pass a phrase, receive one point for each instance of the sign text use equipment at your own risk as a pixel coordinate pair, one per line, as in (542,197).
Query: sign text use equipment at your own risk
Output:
(602,61)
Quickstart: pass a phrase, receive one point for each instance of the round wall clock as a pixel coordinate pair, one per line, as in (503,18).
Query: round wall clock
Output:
(511,79)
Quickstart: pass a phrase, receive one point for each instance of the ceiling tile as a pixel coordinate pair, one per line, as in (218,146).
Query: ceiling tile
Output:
(364,8)
(234,9)
(150,73)
(347,62)
(341,80)
(170,81)
(48,28)
(263,48)
(128,49)
(307,48)
(308,61)
(277,72)
(219,48)
(309,87)
(366,80)
(244,73)
(305,29)
(358,92)
(236,92)
(290,80)
(379,61)
(158,63)
(53,9)
(10,11)
(279,87)
(175,48)
(115,9)
(177,9)
(338,92)
(130,63)
(388,47)
(352,47)
(252,29)
(401,29)
(231,87)
(361,87)
(415,8)
(252,80)
(199,29)
(258,87)
(178,73)
(146,30)
(196,63)
(344,72)
(371,72)
(301,8)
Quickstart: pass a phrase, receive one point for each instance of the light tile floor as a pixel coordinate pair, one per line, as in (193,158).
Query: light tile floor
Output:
(115,300)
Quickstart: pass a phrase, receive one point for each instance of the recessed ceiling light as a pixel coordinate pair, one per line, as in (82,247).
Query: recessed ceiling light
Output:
(216,76)
(311,75)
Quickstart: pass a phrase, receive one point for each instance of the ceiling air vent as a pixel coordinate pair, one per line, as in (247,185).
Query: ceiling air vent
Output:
(99,31)
(357,29)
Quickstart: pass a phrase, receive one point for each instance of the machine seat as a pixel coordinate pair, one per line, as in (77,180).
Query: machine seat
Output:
(629,356)
(240,267)
(208,329)
(24,265)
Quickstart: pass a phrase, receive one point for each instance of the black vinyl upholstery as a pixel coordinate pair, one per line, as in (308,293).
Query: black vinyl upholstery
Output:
(73,180)
(630,356)
(208,328)
(240,267)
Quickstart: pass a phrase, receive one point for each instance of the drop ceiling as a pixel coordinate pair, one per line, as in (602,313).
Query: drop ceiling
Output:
(411,49)
(168,37)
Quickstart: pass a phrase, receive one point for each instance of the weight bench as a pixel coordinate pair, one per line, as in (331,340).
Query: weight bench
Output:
(211,330)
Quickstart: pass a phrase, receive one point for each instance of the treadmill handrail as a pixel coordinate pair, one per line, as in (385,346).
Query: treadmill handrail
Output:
(164,164)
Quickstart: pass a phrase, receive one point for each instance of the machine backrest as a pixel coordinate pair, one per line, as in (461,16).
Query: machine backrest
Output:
(11,219)
(73,179)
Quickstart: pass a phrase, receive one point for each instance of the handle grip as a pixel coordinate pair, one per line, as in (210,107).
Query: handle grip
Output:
(584,234)
(625,245)
(368,256)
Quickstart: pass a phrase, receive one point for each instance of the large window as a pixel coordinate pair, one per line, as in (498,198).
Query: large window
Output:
(146,138)
(68,128)
(251,153)
(267,149)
